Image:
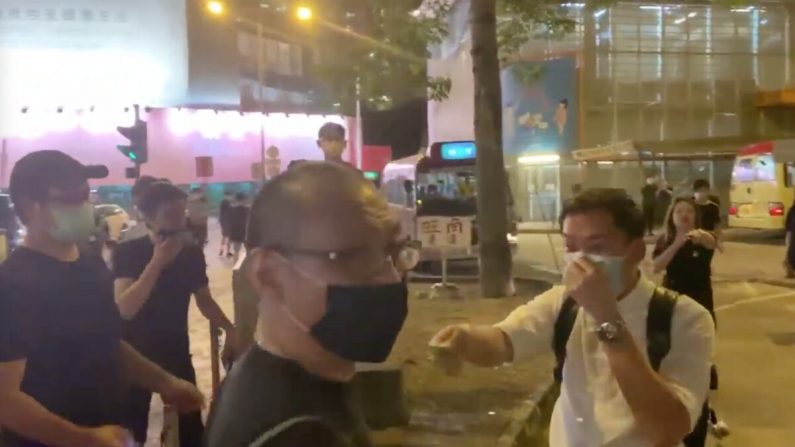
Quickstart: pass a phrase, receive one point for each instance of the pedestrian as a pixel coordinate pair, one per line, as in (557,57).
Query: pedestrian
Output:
(63,364)
(709,209)
(331,140)
(237,221)
(620,386)
(329,296)
(155,277)
(685,253)
(789,259)
(198,213)
(138,189)
(649,203)
(223,219)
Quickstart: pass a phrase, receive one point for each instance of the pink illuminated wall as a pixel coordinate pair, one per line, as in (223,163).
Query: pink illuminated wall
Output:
(176,137)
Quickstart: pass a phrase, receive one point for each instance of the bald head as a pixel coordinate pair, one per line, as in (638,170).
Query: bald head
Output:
(319,206)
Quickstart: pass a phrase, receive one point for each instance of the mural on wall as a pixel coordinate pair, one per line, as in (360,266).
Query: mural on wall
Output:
(539,104)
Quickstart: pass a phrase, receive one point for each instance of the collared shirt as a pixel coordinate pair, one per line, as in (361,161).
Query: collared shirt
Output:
(591,410)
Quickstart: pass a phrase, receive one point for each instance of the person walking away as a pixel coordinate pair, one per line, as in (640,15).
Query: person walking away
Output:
(63,365)
(685,253)
(649,203)
(223,219)
(323,243)
(198,213)
(237,221)
(616,388)
(155,277)
(789,260)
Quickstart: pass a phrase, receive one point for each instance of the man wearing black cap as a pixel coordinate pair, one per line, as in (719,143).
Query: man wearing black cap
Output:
(331,139)
(63,364)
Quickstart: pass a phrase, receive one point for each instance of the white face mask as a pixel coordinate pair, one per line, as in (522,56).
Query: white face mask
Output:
(702,196)
(612,266)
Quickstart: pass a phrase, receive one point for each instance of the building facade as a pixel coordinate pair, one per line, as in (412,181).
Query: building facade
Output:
(671,78)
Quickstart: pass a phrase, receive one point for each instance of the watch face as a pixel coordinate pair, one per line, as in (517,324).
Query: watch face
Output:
(608,331)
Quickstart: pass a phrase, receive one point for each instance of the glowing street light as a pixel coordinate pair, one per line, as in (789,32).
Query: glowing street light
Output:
(215,7)
(304,13)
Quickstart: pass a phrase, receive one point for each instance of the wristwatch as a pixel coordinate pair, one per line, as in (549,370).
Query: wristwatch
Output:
(610,331)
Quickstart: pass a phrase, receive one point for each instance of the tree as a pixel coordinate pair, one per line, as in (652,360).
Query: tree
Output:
(382,44)
(495,255)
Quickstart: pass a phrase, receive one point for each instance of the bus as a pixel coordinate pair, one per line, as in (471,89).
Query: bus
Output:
(762,185)
(441,182)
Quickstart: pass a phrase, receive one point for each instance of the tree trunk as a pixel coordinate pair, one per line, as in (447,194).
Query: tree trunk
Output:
(495,255)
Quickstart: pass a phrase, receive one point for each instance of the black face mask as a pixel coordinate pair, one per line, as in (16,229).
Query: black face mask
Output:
(362,323)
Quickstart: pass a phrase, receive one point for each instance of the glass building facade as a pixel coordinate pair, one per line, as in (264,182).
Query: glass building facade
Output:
(653,71)
(673,78)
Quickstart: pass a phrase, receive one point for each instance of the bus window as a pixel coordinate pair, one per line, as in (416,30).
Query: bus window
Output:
(744,170)
(765,168)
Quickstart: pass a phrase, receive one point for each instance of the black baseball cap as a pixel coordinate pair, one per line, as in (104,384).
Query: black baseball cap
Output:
(37,172)
(331,131)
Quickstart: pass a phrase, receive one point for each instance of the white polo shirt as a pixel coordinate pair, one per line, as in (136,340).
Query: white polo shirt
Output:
(591,410)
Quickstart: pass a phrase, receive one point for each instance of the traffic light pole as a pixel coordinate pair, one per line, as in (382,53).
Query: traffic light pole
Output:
(261,89)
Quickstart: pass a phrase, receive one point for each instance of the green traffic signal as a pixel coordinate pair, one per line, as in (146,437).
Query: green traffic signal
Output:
(137,150)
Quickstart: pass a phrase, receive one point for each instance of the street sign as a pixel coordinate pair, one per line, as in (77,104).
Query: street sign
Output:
(445,232)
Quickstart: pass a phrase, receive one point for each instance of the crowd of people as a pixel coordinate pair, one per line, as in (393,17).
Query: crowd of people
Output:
(83,345)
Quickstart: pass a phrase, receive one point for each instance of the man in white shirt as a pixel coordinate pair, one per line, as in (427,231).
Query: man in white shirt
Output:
(610,395)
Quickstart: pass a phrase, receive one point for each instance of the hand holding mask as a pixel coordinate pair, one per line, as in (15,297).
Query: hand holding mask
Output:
(595,282)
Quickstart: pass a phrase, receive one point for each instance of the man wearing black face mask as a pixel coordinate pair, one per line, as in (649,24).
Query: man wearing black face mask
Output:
(330,295)
(155,278)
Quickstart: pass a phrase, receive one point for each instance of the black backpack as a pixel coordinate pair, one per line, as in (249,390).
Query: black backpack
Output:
(658,328)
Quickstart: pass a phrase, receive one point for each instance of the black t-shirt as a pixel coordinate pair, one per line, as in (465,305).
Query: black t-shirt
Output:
(263,391)
(710,215)
(237,220)
(160,329)
(689,272)
(649,193)
(223,208)
(62,318)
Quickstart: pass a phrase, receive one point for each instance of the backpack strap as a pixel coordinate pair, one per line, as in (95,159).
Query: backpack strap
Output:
(269,435)
(560,337)
(658,328)
(658,325)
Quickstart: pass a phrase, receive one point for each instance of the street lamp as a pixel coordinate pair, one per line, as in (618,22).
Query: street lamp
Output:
(215,7)
(304,13)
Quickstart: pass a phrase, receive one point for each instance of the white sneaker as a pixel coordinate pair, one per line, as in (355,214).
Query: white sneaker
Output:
(720,429)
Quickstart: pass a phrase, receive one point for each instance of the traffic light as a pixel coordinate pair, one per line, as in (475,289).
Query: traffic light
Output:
(137,151)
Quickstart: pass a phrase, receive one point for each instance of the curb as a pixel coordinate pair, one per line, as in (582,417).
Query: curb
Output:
(529,425)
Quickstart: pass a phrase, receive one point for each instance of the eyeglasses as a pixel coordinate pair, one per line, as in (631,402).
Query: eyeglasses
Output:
(403,255)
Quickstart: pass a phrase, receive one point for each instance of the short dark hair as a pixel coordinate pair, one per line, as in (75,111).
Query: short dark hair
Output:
(700,184)
(331,131)
(241,196)
(626,215)
(565,102)
(305,192)
(143,183)
(157,195)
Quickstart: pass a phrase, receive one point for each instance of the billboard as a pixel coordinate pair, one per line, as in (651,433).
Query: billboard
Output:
(84,53)
(539,104)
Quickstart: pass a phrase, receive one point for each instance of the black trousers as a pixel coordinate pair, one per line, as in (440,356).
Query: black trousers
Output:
(648,218)
(191,428)
(698,438)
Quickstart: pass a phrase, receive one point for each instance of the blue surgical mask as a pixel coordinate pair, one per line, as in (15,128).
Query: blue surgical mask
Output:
(73,224)
(612,266)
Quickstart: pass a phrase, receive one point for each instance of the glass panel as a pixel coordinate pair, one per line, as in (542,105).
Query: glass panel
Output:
(297,60)
(765,168)
(744,171)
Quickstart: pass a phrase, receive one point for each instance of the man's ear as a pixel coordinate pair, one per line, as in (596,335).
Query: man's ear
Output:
(265,274)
